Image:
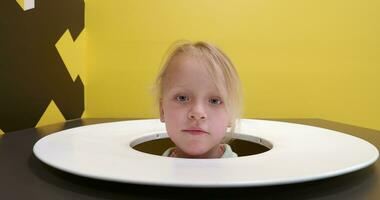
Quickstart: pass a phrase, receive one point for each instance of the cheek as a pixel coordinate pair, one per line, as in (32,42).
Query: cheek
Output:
(172,113)
(173,121)
(220,122)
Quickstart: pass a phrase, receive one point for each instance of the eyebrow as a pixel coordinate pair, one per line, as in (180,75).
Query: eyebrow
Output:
(176,89)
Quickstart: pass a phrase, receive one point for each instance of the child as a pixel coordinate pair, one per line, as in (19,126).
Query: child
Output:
(198,91)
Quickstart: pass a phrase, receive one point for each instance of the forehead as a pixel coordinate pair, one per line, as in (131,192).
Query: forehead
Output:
(190,72)
(182,64)
(184,68)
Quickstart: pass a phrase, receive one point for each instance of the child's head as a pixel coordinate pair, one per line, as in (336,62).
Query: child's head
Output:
(198,90)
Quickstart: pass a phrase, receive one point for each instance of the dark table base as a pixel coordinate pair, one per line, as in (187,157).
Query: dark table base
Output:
(23,176)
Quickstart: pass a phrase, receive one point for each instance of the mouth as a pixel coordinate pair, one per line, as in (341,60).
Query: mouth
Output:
(195,131)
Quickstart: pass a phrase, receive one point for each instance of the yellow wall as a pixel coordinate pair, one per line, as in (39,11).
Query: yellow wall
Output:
(296,59)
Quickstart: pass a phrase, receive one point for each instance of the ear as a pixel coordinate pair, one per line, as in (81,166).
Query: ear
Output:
(162,116)
(230,124)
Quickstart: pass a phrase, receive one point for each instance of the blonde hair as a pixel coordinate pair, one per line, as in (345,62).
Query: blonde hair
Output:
(221,70)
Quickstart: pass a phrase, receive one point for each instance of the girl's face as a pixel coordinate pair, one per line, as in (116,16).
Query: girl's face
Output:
(193,109)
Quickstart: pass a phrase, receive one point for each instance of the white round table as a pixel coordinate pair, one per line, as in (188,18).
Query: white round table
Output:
(298,153)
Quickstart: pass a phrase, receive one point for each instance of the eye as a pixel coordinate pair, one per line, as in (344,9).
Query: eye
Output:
(182,98)
(215,101)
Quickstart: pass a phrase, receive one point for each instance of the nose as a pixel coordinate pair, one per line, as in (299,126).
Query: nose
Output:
(197,112)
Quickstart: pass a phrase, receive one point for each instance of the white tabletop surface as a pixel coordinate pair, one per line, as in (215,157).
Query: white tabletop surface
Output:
(299,153)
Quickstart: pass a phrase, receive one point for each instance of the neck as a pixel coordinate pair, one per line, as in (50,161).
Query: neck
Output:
(215,152)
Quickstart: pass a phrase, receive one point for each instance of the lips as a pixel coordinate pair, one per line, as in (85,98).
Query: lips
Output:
(195,131)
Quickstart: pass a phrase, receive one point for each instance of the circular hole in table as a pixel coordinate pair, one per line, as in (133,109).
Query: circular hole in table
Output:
(243,145)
